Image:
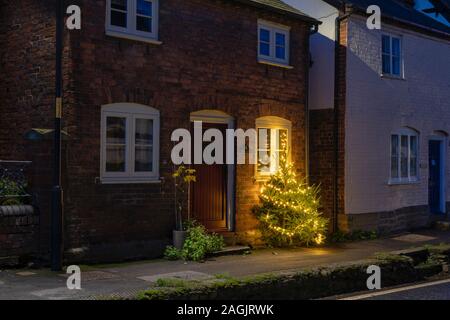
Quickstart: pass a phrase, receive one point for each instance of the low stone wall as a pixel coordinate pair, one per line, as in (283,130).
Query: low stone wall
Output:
(19,233)
(403,219)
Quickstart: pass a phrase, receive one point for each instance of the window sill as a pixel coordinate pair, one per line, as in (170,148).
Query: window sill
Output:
(391,77)
(132,37)
(402,182)
(274,64)
(129,181)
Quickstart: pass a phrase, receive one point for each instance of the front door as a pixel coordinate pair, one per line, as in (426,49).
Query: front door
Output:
(435,180)
(209,192)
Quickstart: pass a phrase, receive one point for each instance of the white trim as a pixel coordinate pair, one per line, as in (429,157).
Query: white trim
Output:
(131,112)
(271,122)
(410,179)
(131,32)
(391,75)
(274,28)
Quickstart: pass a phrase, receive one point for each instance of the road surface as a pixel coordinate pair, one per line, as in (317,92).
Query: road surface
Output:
(436,290)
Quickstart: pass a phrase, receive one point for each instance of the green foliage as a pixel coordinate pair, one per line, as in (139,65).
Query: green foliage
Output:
(182,178)
(199,243)
(172,253)
(357,235)
(289,210)
(10,192)
(197,246)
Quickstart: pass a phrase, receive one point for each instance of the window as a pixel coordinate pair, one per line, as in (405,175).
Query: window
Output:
(130,143)
(135,19)
(392,56)
(273,43)
(404,156)
(272,141)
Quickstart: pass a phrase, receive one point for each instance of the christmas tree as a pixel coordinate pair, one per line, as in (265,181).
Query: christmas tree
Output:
(289,209)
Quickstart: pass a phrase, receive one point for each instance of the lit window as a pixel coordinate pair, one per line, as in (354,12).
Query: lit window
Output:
(273,43)
(273,142)
(404,156)
(392,56)
(136,19)
(130,143)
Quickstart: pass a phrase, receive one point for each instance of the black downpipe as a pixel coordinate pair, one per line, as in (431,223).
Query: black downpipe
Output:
(337,71)
(57,191)
(314,30)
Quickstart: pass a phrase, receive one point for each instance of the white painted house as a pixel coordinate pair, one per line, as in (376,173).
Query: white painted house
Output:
(385,97)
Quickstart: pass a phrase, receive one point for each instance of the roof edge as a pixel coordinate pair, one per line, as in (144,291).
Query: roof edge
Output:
(300,16)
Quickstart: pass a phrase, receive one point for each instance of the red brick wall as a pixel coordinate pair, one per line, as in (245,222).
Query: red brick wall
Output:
(207,61)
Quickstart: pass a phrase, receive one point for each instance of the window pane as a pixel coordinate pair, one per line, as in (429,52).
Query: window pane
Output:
(144,24)
(280,53)
(143,159)
(404,157)
(413,156)
(282,139)
(396,66)
(119,4)
(396,47)
(118,19)
(386,44)
(264,35)
(280,39)
(115,130)
(144,7)
(264,49)
(386,63)
(115,158)
(394,156)
(144,131)
(264,150)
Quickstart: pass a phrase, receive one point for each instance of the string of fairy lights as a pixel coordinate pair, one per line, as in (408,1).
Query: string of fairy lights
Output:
(284,191)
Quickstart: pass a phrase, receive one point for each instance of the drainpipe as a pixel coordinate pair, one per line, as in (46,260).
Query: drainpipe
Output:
(336,118)
(314,30)
(56,250)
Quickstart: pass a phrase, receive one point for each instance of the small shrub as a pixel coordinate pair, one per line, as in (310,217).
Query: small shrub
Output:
(172,253)
(199,243)
(357,235)
(197,246)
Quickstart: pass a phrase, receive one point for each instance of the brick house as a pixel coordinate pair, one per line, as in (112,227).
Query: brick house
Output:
(136,71)
(380,114)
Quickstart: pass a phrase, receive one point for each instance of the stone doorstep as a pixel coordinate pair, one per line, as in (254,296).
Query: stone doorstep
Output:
(231,250)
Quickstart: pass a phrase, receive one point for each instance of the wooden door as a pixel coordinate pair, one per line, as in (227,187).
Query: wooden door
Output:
(434,181)
(209,192)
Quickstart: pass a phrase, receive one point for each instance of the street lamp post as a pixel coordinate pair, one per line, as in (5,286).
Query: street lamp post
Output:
(57,191)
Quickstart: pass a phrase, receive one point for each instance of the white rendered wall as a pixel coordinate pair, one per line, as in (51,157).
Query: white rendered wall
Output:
(321,93)
(377,106)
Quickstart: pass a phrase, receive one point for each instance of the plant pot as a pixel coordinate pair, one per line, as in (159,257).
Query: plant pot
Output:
(178,238)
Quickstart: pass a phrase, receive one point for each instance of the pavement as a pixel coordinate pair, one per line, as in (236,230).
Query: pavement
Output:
(127,279)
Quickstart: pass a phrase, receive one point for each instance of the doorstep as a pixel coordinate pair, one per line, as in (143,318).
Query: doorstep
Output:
(231,250)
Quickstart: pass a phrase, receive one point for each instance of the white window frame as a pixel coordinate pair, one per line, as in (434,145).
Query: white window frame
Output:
(409,179)
(274,28)
(391,56)
(130,112)
(131,32)
(271,122)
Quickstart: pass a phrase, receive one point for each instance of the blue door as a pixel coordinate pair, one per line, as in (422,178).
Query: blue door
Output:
(434,182)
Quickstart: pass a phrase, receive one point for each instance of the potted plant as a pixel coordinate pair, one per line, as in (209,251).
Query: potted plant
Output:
(183,177)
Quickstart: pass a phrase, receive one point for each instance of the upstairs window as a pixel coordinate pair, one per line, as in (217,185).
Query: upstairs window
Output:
(130,143)
(392,56)
(273,43)
(135,19)
(404,156)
